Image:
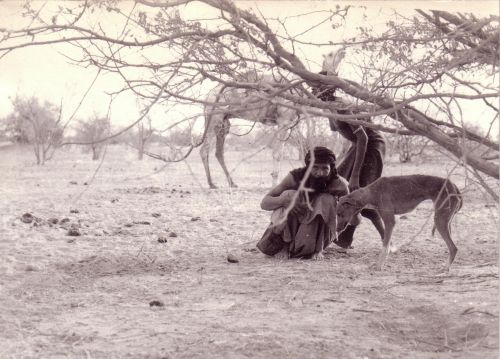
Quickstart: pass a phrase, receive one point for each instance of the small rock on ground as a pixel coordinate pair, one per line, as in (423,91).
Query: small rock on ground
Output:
(156,303)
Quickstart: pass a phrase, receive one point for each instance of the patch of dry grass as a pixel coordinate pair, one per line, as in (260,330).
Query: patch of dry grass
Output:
(89,296)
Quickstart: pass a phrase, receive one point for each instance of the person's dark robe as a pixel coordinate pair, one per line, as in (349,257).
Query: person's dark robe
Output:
(307,233)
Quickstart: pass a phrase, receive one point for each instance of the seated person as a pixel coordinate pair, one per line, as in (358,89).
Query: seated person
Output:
(303,222)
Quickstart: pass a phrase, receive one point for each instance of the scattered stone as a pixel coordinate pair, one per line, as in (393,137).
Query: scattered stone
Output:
(114,200)
(194,219)
(85,183)
(31,268)
(71,240)
(403,217)
(162,239)
(172,234)
(128,225)
(74,231)
(231,258)
(250,250)
(156,215)
(64,220)
(53,220)
(213,220)
(156,303)
(120,231)
(490,205)
(151,190)
(73,182)
(27,218)
(147,223)
(74,211)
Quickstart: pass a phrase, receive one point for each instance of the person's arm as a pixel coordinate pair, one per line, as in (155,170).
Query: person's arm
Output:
(273,199)
(361,144)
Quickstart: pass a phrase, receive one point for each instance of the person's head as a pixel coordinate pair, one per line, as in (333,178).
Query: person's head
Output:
(324,161)
(323,168)
(320,170)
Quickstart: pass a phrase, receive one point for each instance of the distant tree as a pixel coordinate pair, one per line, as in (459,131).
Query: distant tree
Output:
(141,136)
(92,133)
(181,136)
(410,146)
(13,130)
(3,130)
(406,147)
(37,124)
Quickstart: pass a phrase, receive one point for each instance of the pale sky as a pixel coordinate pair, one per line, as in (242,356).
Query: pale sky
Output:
(43,72)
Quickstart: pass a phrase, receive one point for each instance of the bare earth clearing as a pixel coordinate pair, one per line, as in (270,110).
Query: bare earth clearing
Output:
(89,296)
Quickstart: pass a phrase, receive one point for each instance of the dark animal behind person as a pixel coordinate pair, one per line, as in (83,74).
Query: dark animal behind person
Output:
(364,160)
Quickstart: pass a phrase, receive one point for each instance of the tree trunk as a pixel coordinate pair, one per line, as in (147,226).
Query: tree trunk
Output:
(140,151)
(44,157)
(37,153)
(95,153)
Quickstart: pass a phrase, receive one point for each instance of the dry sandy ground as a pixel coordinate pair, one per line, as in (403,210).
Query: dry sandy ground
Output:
(89,296)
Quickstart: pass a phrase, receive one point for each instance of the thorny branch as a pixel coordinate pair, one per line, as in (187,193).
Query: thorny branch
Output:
(435,63)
